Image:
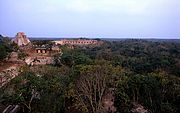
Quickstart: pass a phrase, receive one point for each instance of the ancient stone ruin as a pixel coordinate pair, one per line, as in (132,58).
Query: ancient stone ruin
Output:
(76,42)
(8,74)
(21,39)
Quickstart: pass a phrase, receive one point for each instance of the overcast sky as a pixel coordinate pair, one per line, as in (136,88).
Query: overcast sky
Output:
(91,18)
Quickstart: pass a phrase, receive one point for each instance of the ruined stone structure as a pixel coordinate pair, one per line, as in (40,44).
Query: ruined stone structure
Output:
(47,50)
(76,42)
(39,60)
(56,49)
(42,50)
(21,39)
(8,74)
(43,55)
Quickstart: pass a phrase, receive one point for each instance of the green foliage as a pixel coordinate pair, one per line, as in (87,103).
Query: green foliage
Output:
(3,52)
(42,42)
(74,57)
(139,71)
(152,90)
(6,46)
(82,59)
(50,85)
(57,60)
(140,56)
(67,59)
(22,55)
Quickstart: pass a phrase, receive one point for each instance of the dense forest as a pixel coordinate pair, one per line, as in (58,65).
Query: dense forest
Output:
(128,72)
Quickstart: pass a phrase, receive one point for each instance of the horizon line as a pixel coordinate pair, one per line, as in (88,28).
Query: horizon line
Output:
(102,37)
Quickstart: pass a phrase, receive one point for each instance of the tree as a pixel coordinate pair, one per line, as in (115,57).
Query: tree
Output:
(154,91)
(57,60)
(91,87)
(67,59)
(6,46)
(39,89)
(3,52)
(81,59)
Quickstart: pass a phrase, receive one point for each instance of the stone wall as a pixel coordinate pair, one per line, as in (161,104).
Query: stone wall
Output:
(39,60)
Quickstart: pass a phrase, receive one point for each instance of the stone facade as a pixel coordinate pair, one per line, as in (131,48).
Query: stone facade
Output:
(76,42)
(47,50)
(42,50)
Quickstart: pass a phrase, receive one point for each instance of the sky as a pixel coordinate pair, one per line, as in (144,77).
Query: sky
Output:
(91,18)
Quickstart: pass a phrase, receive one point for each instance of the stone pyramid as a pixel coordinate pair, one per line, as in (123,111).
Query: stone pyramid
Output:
(21,39)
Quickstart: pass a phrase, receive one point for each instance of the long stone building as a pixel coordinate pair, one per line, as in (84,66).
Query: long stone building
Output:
(76,42)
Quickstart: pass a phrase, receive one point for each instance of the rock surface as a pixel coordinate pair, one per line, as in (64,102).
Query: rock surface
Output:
(8,74)
(39,60)
(139,109)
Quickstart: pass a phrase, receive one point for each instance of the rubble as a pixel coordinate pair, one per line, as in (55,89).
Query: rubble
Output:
(7,75)
(139,109)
